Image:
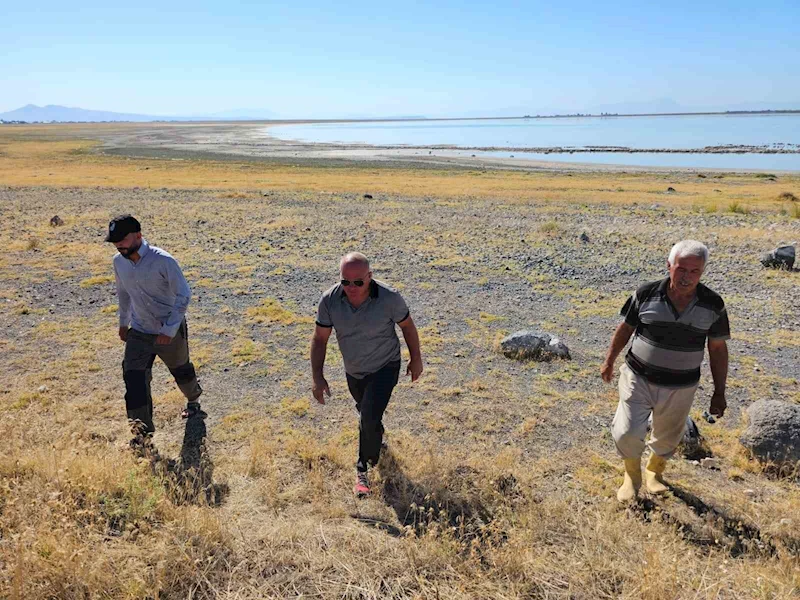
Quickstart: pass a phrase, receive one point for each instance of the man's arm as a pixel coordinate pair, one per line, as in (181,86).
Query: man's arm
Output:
(183,294)
(319,347)
(124,303)
(411,336)
(620,338)
(718,358)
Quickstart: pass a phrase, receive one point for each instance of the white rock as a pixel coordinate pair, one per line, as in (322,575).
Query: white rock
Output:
(750,493)
(709,463)
(43,388)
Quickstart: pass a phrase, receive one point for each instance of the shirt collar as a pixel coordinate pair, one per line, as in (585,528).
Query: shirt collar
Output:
(143,249)
(663,287)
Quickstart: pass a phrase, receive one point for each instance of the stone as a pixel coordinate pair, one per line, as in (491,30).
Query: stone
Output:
(749,493)
(782,257)
(584,237)
(533,345)
(773,433)
(56,221)
(367,196)
(709,463)
(670,189)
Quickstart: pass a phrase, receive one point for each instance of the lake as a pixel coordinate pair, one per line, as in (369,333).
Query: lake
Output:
(656,132)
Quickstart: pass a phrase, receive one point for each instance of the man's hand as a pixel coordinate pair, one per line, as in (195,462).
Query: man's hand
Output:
(123,334)
(718,404)
(320,389)
(607,371)
(414,369)
(163,340)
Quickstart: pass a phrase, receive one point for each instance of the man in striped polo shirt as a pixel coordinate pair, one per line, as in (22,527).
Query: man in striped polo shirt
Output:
(670,321)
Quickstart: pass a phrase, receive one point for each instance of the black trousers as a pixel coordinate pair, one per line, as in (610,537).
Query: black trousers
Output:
(372,394)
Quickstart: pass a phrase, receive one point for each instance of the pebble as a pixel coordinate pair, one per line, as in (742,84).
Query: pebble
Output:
(43,389)
(709,463)
(749,493)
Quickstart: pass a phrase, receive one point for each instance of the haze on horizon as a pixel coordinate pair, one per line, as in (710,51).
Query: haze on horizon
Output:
(317,60)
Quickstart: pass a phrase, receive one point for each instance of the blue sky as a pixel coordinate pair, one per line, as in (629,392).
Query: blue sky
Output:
(324,59)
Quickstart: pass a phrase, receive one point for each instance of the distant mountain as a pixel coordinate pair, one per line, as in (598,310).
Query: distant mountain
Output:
(662,105)
(32,113)
(241,114)
(764,106)
(54,113)
(668,105)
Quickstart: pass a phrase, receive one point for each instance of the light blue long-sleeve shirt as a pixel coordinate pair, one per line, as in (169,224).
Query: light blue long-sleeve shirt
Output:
(153,293)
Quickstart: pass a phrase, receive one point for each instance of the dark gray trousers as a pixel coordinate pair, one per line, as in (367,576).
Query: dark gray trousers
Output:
(140,354)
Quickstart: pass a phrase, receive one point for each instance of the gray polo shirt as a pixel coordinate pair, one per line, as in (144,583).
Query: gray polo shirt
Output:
(366,335)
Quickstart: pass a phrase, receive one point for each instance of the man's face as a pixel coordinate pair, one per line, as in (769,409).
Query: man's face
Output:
(356,273)
(129,244)
(685,273)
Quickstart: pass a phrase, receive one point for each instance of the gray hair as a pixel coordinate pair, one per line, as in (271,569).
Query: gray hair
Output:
(353,258)
(688,248)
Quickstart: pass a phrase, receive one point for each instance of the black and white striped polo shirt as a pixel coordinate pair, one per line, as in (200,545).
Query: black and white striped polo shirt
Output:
(668,346)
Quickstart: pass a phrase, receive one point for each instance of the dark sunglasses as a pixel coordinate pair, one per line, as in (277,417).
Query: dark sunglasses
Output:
(357,282)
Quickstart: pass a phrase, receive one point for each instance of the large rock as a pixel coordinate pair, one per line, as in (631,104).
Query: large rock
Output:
(533,345)
(773,434)
(780,258)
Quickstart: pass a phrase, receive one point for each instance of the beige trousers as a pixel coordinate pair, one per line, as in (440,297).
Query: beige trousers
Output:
(638,398)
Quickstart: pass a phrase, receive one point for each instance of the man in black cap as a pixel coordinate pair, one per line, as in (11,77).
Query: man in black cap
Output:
(153,297)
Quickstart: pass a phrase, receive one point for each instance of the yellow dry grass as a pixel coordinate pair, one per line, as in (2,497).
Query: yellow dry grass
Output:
(55,155)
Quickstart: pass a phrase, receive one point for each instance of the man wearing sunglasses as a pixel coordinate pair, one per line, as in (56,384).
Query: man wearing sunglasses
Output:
(364,311)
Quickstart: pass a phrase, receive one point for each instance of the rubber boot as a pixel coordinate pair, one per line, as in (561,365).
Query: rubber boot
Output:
(653,475)
(633,480)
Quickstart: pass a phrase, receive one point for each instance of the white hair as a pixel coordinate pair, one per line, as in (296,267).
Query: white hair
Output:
(688,248)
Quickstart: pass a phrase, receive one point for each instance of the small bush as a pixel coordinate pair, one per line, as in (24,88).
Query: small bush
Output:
(97,280)
(787,197)
(551,228)
(738,208)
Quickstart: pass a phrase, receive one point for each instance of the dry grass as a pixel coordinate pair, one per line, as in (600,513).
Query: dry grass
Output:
(499,480)
(55,155)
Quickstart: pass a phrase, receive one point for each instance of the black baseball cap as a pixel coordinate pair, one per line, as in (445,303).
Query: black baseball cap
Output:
(121,226)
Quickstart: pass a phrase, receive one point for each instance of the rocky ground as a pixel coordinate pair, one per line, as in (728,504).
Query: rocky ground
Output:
(472,269)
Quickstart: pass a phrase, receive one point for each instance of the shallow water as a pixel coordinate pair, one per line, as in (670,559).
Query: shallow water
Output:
(662,132)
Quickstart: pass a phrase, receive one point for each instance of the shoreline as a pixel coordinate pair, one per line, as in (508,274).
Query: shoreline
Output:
(252,142)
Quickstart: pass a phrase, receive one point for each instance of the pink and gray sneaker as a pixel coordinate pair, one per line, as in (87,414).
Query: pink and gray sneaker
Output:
(361,488)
